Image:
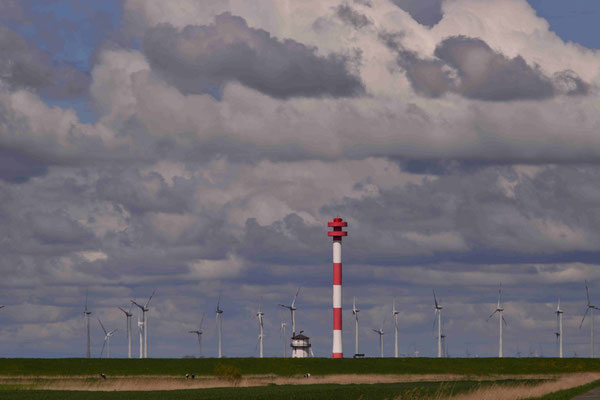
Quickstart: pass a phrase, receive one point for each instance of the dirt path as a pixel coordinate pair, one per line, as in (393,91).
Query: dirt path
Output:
(95,383)
(529,391)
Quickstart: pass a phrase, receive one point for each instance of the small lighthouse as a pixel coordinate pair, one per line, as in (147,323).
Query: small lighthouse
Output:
(337,233)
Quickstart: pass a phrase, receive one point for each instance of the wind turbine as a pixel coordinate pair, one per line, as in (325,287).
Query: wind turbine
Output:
(219,313)
(198,332)
(284,339)
(559,335)
(501,319)
(438,313)
(128,315)
(292,308)
(590,308)
(145,309)
(260,315)
(355,312)
(380,333)
(86,313)
(106,343)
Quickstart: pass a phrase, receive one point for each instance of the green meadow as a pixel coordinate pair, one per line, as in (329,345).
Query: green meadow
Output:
(289,366)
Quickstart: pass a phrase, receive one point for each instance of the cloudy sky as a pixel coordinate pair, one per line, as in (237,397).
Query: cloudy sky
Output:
(199,147)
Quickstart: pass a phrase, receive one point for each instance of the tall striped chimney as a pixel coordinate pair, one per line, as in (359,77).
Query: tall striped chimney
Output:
(337,234)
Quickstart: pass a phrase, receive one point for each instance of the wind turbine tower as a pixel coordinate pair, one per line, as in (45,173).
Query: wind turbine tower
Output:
(198,332)
(559,335)
(219,313)
(501,320)
(260,315)
(128,315)
(145,309)
(380,332)
(141,330)
(292,308)
(438,312)
(395,314)
(590,308)
(337,224)
(355,312)
(284,339)
(86,313)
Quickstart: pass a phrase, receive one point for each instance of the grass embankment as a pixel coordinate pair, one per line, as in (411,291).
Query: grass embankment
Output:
(289,367)
(568,394)
(419,390)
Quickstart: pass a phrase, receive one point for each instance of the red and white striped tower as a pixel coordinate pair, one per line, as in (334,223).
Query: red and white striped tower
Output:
(337,234)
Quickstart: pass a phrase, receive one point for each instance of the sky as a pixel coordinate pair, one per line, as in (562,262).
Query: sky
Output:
(199,147)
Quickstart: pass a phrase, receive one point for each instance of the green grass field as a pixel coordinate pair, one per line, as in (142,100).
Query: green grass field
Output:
(288,366)
(283,392)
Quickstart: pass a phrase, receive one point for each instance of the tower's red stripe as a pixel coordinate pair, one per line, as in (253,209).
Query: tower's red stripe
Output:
(337,273)
(337,355)
(337,319)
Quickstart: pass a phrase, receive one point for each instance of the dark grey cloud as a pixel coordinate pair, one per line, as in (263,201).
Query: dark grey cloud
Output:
(425,12)
(197,59)
(139,194)
(568,82)
(487,75)
(469,67)
(352,17)
(18,167)
(24,66)
(57,228)
(290,240)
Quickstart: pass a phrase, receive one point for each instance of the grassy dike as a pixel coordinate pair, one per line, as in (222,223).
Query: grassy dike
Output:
(289,367)
(416,390)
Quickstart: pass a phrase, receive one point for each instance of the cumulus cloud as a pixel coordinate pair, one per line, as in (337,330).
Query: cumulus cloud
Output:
(24,66)
(352,17)
(198,58)
(426,12)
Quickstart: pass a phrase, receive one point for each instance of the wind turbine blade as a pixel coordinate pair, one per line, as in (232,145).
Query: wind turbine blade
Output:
(101,325)
(295,297)
(123,310)
(435,299)
(150,298)
(219,301)
(136,304)
(503,320)
(354,303)
(587,293)
(130,308)
(201,319)
(103,344)
(86,300)
(499,295)
(584,315)
(492,314)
